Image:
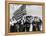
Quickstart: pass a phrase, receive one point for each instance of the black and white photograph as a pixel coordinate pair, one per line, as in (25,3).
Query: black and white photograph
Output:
(25,18)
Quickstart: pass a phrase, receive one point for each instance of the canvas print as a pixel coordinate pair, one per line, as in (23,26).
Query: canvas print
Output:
(25,18)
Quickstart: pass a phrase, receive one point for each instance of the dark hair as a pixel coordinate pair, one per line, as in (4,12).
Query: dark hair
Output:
(35,17)
(28,16)
(13,17)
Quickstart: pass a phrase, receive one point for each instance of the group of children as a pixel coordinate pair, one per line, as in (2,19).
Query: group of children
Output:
(23,25)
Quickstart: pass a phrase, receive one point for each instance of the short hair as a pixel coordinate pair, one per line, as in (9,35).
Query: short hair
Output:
(35,17)
(28,16)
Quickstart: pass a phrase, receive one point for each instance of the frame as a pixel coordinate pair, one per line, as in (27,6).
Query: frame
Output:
(7,16)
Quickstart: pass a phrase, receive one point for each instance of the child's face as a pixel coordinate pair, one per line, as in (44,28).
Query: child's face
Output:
(35,19)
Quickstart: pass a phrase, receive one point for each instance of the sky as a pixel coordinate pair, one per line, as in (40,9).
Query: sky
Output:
(33,10)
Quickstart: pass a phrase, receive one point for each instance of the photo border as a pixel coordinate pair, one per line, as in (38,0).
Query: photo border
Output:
(7,15)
